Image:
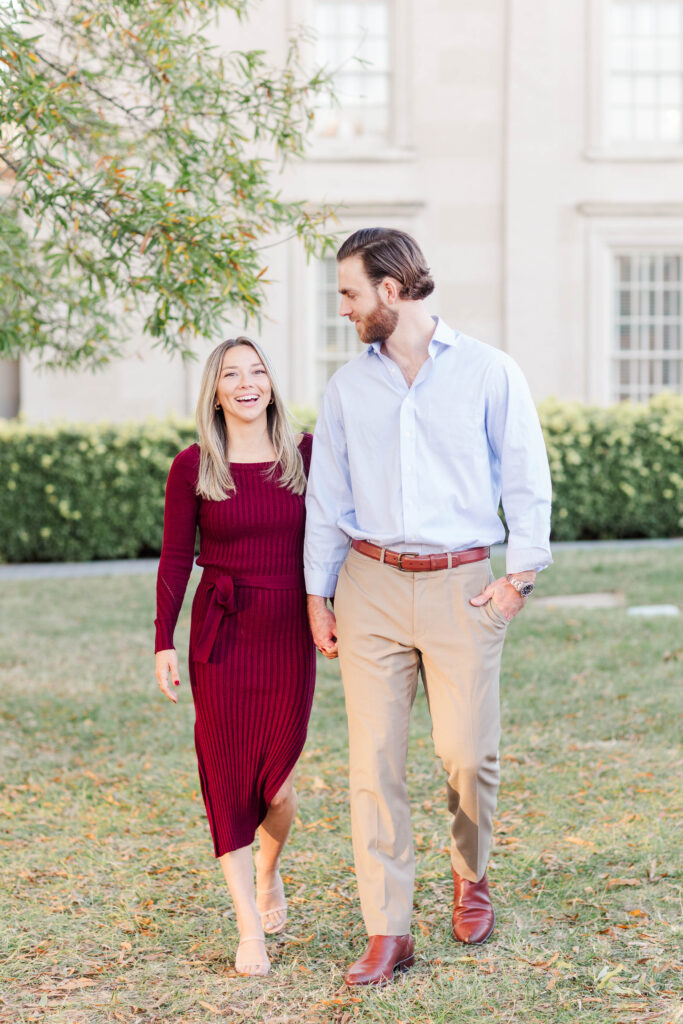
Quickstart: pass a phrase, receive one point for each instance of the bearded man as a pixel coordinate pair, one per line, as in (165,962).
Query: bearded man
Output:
(417,440)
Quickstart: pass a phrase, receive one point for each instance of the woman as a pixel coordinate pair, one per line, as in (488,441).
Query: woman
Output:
(252,659)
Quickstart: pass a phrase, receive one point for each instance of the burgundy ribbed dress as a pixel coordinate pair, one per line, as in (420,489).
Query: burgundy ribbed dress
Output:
(252,658)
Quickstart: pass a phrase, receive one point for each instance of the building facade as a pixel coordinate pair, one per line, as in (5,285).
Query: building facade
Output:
(534,148)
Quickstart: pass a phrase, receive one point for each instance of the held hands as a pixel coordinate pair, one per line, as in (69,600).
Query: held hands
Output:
(167,665)
(504,596)
(323,626)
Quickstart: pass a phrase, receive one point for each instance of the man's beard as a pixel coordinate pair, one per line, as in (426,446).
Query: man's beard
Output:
(378,325)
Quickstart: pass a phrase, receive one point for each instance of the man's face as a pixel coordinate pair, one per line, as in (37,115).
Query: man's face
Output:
(361,302)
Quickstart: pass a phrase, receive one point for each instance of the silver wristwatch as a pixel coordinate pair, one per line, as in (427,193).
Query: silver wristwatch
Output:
(523,587)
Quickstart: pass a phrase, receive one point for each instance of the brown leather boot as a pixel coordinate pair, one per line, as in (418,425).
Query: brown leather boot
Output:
(384,955)
(473,915)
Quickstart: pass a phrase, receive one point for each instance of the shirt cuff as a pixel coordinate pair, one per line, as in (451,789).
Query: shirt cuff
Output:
(523,559)
(320,584)
(164,636)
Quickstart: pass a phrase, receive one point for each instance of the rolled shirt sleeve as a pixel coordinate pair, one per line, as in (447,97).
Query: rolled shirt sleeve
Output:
(516,438)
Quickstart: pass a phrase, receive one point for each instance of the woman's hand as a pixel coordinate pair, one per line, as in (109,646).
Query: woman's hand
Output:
(167,665)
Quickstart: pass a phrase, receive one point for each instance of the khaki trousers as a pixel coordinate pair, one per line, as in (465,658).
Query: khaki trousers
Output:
(391,626)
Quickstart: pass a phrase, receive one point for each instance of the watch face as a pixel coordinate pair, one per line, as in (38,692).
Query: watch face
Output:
(527,589)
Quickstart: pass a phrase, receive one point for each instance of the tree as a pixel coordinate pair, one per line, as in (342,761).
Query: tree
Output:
(142,161)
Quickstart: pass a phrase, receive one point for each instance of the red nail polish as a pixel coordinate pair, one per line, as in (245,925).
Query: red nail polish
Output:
(177,682)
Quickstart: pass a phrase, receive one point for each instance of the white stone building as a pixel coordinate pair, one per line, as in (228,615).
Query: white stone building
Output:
(534,148)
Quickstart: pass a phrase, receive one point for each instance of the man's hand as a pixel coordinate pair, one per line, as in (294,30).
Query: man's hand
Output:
(323,625)
(504,595)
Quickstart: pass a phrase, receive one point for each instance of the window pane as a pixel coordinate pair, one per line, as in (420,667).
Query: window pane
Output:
(669,19)
(670,126)
(624,339)
(376,19)
(645,89)
(621,90)
(624,304)
(669,55)
(648,338)
(672,303)
(645,50)
(648,268)
(620,125)
(671,337)
(645,21)
(670,90)
(624,267)
(672,268)
(621,18)
(621,55)
(354,41)
(645,125)
(645,55)
(336,339)
(648,324)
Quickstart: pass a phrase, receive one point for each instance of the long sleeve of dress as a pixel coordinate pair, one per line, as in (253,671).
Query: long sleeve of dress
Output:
(177,553)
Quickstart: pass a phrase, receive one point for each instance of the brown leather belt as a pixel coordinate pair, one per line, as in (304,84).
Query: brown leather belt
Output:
(409,561)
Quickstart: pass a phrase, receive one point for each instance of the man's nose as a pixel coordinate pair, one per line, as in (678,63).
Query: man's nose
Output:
(344,307)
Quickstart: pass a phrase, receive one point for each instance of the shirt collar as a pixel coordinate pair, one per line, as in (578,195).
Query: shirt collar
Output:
(443,335)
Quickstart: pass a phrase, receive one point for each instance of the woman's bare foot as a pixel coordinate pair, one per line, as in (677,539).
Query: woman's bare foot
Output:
(270,898)
(251,959)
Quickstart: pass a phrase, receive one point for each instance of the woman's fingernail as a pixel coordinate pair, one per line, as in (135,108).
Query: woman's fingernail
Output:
(177,682)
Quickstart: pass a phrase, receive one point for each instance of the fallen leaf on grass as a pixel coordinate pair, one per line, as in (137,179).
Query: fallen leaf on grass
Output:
(606,975)
(208,1006)
(74,983)
(612,883)
(546,963)
(578,841)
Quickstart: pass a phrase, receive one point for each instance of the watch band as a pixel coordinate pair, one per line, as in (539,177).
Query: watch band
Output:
(523,587)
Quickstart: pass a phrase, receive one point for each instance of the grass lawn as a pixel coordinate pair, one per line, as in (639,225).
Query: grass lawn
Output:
(113,909)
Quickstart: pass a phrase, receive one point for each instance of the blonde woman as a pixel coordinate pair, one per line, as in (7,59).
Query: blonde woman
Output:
(252,659)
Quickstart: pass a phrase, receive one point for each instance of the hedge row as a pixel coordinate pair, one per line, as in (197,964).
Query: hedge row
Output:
(73,492)
(617,472)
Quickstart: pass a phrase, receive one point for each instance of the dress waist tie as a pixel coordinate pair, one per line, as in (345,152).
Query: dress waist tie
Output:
(222,601)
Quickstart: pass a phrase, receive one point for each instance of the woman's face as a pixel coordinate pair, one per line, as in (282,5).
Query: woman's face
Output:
(243,388)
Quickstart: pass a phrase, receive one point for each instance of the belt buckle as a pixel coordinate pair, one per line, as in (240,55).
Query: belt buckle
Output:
(402,554)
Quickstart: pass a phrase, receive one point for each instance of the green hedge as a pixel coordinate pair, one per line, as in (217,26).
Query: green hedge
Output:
(75,492)
(618,471)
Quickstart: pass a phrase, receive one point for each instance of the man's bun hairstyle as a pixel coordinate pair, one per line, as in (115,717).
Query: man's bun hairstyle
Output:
(387,252)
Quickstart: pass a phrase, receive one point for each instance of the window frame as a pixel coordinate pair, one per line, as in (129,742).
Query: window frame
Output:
(303,280)
(599,147)
(611,232)
(398,143)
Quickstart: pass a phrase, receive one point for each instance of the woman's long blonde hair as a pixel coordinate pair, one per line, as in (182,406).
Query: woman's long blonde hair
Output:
(215,480)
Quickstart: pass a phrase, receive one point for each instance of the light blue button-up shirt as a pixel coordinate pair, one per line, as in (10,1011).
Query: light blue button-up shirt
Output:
(423,468)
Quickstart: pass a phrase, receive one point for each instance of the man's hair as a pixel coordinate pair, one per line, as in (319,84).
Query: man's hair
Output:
(386,252)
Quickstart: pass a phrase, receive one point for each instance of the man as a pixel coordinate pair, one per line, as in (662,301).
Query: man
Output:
(417,439)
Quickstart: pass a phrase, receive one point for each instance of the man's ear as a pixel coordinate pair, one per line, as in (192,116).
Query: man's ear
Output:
(390,290)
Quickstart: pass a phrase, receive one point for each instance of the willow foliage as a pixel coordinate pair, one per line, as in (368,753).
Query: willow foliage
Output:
(138,164)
